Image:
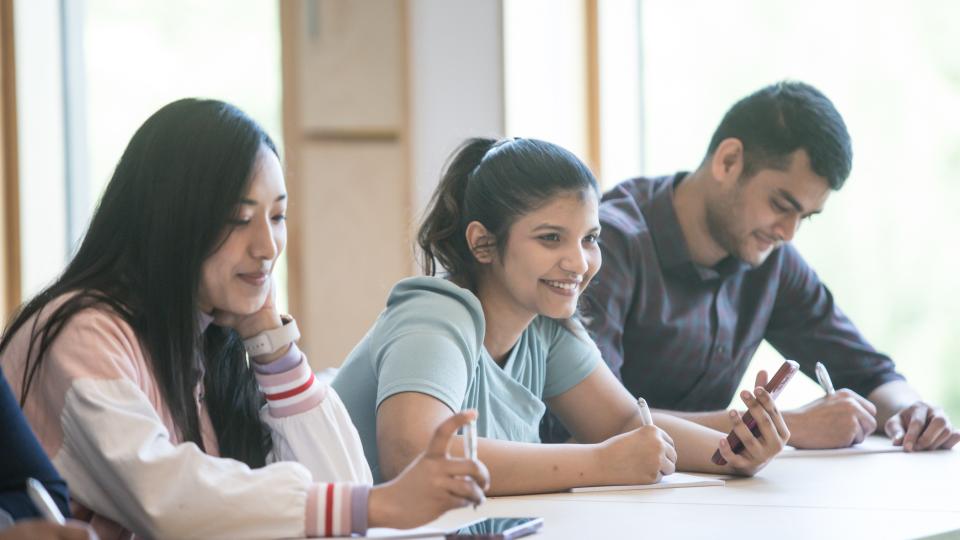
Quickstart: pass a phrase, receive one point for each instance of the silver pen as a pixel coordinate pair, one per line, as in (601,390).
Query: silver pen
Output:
(44,503)
(824,379)
(645,417)
(470,442)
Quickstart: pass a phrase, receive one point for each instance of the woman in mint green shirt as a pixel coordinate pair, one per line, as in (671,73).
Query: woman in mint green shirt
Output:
(514,224)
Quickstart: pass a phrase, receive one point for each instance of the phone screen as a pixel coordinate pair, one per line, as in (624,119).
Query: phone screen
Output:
(498,529)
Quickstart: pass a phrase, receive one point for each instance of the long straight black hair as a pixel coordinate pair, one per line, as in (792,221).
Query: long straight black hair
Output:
(166,209)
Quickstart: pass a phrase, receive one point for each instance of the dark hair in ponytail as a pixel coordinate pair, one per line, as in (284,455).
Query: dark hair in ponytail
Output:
(494,182)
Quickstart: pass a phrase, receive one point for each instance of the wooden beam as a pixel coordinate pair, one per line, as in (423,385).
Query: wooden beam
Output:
(290,23)
(592,56)
(9,168)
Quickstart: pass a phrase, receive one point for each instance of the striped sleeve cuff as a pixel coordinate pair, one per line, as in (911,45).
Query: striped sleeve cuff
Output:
(332,509)
(288,361)
(293,391)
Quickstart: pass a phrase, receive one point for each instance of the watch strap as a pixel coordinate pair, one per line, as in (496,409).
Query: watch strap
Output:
(271,341)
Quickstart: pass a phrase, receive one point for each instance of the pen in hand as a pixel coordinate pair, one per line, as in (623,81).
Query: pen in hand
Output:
(824,379)
(44,503)
(470,442)
(645,417)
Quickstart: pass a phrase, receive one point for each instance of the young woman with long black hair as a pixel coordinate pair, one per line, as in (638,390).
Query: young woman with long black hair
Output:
(144,368)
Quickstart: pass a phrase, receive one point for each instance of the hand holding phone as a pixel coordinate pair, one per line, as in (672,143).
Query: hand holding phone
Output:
(774,387)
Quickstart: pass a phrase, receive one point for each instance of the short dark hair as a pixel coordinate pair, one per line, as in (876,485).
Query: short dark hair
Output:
(776,121)
(494,182)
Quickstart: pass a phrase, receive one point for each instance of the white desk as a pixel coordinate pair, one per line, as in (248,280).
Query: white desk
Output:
(869,496)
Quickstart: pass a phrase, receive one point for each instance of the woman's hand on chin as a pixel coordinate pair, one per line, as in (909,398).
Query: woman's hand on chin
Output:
(248,325)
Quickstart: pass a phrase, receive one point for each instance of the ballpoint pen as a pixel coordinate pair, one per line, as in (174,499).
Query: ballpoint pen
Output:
(645,416)
(44,503)
(470,441)
(824,379)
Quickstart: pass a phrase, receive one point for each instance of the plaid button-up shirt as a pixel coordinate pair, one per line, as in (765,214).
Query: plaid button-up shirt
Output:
(682,335)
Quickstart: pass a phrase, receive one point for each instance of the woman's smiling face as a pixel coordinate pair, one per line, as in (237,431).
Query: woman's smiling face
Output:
(550,257)
(235,278)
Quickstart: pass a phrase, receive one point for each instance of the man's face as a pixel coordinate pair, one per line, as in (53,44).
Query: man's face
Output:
(753,216)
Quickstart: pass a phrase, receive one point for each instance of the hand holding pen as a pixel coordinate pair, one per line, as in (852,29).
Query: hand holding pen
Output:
(645,417)
(470,443)
(824,379)
(44,502)
(53,526)
(433,483)
(840,419)
(639,456)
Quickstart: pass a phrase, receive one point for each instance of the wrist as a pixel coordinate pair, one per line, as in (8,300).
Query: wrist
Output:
(599,464)
(265,359)
(793,420)
(379,508)
(258,323)
(273,343)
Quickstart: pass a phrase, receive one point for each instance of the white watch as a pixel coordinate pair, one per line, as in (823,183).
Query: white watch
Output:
(271,341)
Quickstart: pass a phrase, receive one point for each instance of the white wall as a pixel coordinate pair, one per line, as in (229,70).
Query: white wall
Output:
(456,83)
(40,117)
(545,67)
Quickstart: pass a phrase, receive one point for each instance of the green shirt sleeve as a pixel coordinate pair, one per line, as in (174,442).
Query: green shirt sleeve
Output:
(571,357)
(428,341)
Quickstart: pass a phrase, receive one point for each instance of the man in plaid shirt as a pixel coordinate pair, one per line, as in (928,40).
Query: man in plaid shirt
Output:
(698,270)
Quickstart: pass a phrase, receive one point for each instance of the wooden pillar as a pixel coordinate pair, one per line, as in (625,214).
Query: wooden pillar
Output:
(9,191)
(346,154)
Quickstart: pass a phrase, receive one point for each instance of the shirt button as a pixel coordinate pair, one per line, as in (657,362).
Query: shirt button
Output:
(720,349)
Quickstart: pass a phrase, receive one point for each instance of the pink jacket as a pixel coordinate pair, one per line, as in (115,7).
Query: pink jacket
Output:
(101,418)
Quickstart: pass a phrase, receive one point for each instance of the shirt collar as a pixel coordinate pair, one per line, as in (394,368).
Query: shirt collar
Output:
(673,252)
(203,320)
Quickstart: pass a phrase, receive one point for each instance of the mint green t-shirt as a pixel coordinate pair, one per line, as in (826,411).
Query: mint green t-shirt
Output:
(429,339)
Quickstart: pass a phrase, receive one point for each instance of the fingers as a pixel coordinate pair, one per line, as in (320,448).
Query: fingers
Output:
(468,468)
(666,437)
(862,401)
(952,440)
(737,462)
(440,442)
(864,413)
(762,378)
(944,436)
(76,533)
(915,424)
(668,465)
(750,442)
(35,528)
(671,453)
(776,417)
(935,428)
(866,421)
(78,530)
(769,437)
(463,489)
(894,429)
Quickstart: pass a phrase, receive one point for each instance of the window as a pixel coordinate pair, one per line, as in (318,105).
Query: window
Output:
(884,243)
(669,70)
(85,89)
